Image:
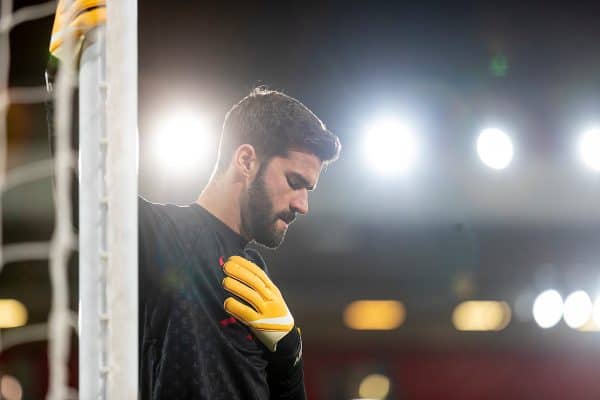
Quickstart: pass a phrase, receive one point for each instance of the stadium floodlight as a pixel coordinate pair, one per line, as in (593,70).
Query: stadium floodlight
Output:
(548,309)
(589,148)
(391,146)
(495,148)
(578,309)
(182,141)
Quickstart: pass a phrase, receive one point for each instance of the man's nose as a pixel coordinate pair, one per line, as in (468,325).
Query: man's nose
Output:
(300,203)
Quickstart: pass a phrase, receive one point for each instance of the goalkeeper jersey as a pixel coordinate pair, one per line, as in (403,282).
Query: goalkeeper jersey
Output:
(190,348)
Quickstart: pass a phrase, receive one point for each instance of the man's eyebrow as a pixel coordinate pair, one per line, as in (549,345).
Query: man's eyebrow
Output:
(303,181)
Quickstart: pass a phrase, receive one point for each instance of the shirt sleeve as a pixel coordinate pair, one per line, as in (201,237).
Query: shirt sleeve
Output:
(285,373)
(155,245)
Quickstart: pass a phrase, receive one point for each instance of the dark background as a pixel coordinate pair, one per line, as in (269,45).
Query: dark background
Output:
(450,230)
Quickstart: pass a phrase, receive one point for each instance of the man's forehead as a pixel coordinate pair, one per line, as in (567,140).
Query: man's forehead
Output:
(304,158)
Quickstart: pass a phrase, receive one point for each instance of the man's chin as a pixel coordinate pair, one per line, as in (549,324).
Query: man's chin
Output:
(273,240)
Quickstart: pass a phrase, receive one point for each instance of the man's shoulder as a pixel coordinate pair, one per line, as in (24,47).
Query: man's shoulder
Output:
(147,208)
(168,218)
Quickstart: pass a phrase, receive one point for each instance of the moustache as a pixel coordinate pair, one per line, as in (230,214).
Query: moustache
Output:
(288,218)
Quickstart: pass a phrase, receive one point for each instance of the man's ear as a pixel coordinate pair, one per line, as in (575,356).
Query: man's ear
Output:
(245,161)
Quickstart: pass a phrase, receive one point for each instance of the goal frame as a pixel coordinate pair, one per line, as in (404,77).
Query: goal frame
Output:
(108,189)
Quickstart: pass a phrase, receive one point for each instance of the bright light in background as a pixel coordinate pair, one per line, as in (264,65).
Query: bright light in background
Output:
(374,386)
(495,148)
(374,314)
(589,148)
(578,309)
(477,315)
(391,147)
(12,313)
(548,309)
(10,388)
(183,142)
(589,326)
(593,324)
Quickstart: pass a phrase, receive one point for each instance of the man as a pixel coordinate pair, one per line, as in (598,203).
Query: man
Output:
(212,323)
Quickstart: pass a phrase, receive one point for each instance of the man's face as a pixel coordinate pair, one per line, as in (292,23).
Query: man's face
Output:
(279,192)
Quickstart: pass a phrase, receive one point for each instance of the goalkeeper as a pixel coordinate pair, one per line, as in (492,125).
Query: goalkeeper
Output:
(213,325)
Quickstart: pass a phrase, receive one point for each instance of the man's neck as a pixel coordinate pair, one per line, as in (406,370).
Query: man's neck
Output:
(222,201)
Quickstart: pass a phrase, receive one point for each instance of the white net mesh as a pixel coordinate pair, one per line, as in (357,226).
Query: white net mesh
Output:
(107,320)
(57,251)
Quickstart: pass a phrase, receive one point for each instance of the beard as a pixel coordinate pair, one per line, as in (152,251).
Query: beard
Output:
(258,217)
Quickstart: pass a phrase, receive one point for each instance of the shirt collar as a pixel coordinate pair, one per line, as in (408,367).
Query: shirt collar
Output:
(229,234)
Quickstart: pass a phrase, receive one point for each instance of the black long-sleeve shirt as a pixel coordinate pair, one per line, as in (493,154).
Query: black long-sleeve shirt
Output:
(190,348)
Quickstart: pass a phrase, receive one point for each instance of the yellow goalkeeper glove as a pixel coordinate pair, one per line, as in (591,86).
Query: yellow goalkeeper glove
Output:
(269,317)
(74,22)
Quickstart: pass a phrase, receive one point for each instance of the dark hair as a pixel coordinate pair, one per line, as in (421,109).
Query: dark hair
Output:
(274,123)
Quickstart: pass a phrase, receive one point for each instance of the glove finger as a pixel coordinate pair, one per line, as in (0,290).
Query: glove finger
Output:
(89,20)
(242,291)
(240,311)
(233,269)
(253,268)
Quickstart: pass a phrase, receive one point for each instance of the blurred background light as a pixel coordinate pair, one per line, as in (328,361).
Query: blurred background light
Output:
(577,309)
(589,326)
(480,315)
(374,386)
(12,313)
(589,148)
(548,308)
(374,314)
(182,142)
(10,388)
(495,148)
(593,322)
(391,146)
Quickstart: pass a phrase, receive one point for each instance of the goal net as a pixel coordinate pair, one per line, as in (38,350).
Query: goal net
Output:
(101,67)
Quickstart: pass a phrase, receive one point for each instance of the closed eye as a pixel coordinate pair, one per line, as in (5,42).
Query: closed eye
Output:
(294,185)
(297,182)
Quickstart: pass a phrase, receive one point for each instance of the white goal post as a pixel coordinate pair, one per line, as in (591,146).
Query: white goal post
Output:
(108,159)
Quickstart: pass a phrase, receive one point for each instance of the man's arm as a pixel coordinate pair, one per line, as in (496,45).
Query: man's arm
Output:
(285,373)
